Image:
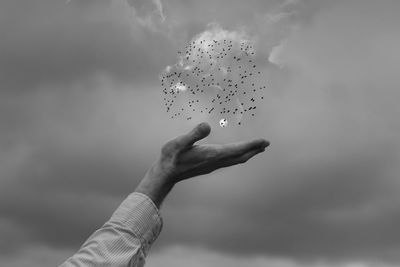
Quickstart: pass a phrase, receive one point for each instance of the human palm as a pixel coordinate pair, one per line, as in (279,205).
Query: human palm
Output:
(182,159)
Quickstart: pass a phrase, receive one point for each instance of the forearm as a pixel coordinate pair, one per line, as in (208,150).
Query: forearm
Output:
(125,238)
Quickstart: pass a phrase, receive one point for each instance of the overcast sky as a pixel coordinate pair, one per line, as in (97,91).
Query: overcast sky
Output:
(82,118)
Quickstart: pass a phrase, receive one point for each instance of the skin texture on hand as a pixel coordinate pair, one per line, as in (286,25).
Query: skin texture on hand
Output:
(182,159)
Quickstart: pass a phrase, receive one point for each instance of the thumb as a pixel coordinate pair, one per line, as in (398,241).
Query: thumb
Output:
(199,132)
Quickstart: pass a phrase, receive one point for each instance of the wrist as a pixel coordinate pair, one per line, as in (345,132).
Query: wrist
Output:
(156,185)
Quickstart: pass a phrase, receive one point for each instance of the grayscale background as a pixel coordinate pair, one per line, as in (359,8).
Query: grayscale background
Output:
(82,118)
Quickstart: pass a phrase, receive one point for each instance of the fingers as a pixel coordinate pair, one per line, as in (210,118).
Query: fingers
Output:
(242,148)
(240,159)
(199,132)
(245,157)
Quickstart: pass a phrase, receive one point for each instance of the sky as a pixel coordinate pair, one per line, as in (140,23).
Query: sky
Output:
(82,119)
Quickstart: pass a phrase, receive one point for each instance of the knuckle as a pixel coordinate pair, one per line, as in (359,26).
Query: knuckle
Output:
(167,163)
(212,154)
(165,150)
(169,148)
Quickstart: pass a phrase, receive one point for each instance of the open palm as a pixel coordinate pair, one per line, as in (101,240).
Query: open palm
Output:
(181,159)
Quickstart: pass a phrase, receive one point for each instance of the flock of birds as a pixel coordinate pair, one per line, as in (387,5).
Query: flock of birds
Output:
(216,77)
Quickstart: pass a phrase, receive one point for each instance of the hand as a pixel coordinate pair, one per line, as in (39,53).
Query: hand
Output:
(181,159)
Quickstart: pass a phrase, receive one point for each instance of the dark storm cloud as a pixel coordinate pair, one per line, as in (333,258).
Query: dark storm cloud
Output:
(51,41)
(50,138)
(329,184)
(327,188)
(65,150)
(333,209)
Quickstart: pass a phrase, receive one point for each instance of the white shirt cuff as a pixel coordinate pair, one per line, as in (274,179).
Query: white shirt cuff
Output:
(139,214)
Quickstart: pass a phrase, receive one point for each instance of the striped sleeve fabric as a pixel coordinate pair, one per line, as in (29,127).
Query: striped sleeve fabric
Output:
(125,239)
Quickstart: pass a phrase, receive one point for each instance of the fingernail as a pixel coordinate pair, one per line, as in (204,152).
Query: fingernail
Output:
(265,144)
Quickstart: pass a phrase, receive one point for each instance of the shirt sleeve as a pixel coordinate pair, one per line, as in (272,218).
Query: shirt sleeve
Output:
(125,239)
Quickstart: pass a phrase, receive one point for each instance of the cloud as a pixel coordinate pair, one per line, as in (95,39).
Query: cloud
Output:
(204,41)
(327,187)
(49,42)
(149,14)
(81,147)
(38,255)
(178,256)
(216,32)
